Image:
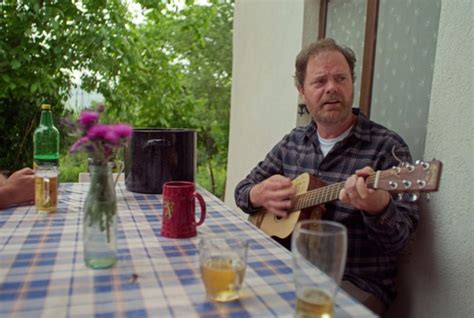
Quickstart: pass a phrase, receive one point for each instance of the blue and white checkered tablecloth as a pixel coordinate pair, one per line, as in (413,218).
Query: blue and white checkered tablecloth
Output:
(42,273)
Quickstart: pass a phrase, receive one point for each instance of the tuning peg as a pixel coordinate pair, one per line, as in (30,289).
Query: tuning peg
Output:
(424,164)
(413,197)
(399,197)
(407,184)
(421,184)
(428,196)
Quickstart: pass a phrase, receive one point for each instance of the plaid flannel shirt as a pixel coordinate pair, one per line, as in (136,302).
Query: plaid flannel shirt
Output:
(374,242)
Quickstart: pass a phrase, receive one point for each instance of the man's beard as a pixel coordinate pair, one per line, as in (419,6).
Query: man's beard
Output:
(334,117)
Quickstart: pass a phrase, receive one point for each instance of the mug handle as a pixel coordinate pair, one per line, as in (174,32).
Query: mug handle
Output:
(203,207)
(46,185)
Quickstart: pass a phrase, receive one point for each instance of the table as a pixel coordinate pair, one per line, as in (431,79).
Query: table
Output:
(42,273)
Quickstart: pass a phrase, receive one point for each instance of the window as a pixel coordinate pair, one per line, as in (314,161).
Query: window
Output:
(395,43)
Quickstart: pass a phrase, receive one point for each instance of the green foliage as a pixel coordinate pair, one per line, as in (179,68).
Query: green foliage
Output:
(172,70)
(182,79)
(75,164)
(219,172)
(41,44)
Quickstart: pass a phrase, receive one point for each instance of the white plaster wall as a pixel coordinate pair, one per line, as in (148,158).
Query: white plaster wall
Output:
(267,37)
(437,273)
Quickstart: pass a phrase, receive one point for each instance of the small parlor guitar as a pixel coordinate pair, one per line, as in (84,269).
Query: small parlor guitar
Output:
(311,193)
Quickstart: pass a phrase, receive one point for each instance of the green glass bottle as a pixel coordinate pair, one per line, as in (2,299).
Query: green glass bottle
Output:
(46,140)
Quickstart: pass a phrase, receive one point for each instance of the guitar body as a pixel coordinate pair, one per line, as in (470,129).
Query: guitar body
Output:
(281,228)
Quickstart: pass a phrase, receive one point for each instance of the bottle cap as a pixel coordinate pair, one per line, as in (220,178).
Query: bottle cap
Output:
(45,106)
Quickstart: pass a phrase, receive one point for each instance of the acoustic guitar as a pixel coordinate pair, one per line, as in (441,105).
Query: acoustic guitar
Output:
(312,193)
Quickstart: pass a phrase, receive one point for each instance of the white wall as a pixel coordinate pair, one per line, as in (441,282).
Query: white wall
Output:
(267,37)
(437,274)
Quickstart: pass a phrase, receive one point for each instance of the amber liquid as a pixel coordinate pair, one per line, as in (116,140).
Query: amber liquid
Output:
(46,194)
(314,303)
(222,277)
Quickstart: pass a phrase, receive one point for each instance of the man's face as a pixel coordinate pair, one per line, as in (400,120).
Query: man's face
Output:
(328,89)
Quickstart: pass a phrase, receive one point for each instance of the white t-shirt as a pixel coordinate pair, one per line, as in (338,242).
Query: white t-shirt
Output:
(327,144)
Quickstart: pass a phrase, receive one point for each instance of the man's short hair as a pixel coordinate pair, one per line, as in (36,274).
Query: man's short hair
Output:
(315,48)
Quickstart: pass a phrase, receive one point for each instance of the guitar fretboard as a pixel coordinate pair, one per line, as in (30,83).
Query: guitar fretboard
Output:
(325,194)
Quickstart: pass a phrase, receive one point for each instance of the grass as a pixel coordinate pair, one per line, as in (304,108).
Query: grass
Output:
(71,165)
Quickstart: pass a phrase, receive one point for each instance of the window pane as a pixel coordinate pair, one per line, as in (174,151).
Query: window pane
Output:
(406,45)
(346,25)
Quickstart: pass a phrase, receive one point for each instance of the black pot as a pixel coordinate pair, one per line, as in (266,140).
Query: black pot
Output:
(158,155)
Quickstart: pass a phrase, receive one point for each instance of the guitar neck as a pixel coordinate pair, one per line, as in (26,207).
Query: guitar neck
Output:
(324,194)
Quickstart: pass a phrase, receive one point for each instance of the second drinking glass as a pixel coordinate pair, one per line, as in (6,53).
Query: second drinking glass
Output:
(223,262)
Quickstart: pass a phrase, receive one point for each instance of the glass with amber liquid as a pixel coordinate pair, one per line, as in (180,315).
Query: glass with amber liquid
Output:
(313,302)
(223,262)
(319,256)
(46,189)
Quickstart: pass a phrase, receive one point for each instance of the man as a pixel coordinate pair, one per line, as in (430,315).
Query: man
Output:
(19,188)
(340,144)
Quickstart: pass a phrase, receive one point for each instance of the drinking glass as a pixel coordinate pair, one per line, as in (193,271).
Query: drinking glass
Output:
(223,262)
(46,189)
(319,256)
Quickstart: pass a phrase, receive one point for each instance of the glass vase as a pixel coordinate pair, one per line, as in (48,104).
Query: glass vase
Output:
(100,219)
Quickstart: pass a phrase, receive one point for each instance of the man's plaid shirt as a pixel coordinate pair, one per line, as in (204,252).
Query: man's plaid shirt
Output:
(374,242)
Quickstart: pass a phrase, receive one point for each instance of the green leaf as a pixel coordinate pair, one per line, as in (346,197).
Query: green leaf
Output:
(34,87)
(15,64)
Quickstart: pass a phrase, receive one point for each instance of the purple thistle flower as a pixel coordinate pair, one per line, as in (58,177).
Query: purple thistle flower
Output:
(111,136)
(97,132)
(122,130)
(88,118)
(100,141)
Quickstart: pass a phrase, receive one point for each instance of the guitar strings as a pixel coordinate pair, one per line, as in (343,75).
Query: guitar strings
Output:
(329,193)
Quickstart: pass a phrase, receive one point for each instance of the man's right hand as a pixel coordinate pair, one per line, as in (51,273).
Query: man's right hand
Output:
(273,194)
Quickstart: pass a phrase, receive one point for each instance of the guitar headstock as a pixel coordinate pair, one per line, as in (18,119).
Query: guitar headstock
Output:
(420,177)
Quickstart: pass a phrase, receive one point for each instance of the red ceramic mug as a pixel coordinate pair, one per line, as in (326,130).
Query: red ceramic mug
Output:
(179,215)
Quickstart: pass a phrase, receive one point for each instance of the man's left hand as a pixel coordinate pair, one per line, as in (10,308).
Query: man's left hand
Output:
(356,193)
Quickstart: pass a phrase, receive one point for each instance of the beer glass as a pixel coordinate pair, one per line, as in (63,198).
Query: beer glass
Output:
(319,255)
(46,189)
(223,262)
